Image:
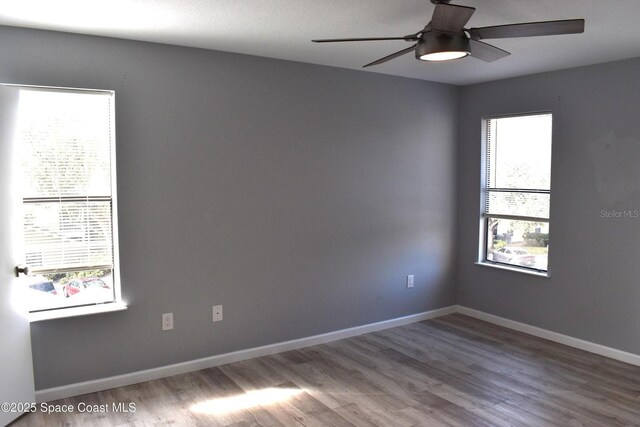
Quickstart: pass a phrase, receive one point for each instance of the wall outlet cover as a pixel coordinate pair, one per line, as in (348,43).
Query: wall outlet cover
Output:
(167,321)
(217,313)
(410,281)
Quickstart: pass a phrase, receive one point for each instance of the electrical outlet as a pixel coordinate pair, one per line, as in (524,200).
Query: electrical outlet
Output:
(167,321)
(410,281)
(217,313)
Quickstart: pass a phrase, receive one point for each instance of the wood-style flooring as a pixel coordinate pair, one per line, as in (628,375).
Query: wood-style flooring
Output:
(449,371)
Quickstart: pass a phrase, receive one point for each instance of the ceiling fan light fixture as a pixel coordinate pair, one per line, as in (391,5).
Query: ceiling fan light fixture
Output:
(437,47)
(443,56)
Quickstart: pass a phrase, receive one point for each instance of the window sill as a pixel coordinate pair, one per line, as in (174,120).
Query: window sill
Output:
(514,269)
(76,311)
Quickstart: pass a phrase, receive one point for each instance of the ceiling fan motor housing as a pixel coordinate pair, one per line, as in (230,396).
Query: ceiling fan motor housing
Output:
(433,42)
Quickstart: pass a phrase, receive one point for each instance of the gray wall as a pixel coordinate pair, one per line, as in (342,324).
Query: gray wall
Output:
(593,292)
(298,196)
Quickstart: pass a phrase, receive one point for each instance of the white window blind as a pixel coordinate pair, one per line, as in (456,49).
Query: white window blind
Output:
(65,139)
(518,166)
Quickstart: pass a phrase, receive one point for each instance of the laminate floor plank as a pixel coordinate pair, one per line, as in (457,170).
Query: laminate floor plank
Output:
(385,376)
(520,341)
(395,377)
(576,366)
(451,371)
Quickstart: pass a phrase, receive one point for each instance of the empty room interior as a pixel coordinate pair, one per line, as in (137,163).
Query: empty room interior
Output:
(340,213)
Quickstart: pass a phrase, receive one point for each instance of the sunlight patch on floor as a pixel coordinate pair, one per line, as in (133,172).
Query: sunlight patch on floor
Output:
(248,400)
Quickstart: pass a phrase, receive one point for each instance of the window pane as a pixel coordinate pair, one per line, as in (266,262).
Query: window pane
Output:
(67,235)
(518,204)
(518,243)
(519,152)
(65,143)
(59,290)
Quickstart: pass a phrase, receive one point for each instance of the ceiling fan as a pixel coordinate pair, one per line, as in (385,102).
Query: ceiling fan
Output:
(445,38)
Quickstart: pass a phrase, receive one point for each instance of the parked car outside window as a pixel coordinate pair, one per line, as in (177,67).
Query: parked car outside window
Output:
(514,256)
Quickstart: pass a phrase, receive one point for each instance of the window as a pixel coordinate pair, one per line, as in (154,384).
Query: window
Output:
(516,191)
(66,143)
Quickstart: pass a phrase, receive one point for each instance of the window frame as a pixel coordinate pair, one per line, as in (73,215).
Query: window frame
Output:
(484,196)
(108,306)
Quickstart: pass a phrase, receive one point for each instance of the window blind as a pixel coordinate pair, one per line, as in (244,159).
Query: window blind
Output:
(518,167)
(65,138)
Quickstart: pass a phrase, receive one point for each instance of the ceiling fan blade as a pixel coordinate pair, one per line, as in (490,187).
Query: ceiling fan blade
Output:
(529,29)
(486,52)
(407,38)
(392,56)
(450,18)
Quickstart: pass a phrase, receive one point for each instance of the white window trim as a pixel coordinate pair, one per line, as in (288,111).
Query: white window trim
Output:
(118,304)
(84,310)
(482,244)
(516,269)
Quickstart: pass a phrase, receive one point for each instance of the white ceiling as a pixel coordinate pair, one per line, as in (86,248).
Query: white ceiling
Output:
(283,29)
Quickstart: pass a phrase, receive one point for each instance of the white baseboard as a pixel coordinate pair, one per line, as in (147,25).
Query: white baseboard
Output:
(236,356)
(591,347)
